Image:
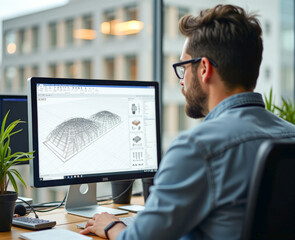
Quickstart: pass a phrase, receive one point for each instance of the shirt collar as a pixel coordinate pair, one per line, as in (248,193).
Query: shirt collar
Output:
(235,101)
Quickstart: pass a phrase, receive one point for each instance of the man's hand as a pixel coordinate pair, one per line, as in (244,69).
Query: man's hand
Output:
(98,223)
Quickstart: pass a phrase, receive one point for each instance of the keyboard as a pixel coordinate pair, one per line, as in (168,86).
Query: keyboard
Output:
(126,220)
(32,223)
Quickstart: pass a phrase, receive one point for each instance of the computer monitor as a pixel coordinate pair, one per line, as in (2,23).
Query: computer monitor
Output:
(17,107)
(88,131)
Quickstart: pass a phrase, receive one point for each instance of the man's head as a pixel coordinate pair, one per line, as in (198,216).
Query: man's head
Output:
(231,38)
(224,38)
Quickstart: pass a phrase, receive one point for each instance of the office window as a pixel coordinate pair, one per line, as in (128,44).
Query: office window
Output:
(121,22)
(286,41)
(166,20)
(170,21)
(52,70)
(267,28)
(131,19)
(287,83)
(35,33)
(131,67)
(109,14)
(169,77)
(21,79)
(88,22)
(87,69)
(10,75)
(21,41)
(9,43)
(131,13)
(181,12)
(53,35)
(110,68)
(182,119)
(287,38)
(71,70)
(69,31)
(267,73)
(108,26)
(35,71)
(88,25)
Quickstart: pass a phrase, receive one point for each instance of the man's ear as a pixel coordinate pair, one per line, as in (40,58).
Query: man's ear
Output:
(206,70)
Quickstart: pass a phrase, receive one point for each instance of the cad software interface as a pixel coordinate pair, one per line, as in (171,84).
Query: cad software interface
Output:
(86,130)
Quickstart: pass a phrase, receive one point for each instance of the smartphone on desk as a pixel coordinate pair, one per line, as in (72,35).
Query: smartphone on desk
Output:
(132,208)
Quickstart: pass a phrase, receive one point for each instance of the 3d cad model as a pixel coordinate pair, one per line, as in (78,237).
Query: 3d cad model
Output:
(72,136)
(106,119)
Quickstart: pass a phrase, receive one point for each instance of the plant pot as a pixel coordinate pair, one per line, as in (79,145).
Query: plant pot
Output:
(122,191)
(7,203)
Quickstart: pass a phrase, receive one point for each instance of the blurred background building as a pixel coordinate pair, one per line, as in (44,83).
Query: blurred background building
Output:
(97,39)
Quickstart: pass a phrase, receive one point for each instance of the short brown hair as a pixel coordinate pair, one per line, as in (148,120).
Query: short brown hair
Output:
(230,37)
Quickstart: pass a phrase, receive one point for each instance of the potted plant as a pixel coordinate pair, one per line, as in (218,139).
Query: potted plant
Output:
(7,173)
(286,111)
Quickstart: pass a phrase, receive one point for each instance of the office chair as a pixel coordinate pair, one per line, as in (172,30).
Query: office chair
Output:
(270,212)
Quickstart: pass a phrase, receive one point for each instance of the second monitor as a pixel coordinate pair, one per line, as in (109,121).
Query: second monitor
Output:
(17,107)
(85,131)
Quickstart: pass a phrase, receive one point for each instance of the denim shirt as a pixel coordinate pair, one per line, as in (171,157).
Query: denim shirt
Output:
(201,187)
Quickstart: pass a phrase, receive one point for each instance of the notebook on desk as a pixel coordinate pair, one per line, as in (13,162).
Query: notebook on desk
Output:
(56,234)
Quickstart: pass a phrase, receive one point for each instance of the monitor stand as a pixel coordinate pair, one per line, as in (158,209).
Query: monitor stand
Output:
(84,203)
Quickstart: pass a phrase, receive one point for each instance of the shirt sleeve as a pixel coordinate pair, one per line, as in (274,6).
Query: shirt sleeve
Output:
(180,198)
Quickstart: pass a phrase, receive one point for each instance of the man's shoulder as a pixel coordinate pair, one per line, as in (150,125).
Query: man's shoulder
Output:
(235,127)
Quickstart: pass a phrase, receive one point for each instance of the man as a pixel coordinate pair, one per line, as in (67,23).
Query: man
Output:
(200,190)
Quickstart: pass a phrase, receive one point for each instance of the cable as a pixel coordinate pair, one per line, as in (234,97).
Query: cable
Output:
(48,210)
(36,216)
(44,205)
(114,198)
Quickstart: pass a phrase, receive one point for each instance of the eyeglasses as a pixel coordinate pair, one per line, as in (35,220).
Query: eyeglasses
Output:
(179,68)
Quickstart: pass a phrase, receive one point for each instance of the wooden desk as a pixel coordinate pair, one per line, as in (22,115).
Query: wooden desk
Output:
(64,220)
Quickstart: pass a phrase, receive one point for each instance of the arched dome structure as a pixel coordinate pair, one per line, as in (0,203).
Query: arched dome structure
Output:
(72,136)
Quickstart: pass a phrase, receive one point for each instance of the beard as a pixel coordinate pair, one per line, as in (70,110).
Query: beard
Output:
(196,99)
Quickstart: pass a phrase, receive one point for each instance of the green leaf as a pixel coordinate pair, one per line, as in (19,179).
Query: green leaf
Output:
(269,102)
(7,159)
(12,180)
(286,111)
(19,157)
(17,174)
(3,124)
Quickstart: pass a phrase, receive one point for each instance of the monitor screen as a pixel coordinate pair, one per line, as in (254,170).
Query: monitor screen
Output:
(17,107)
(85,131)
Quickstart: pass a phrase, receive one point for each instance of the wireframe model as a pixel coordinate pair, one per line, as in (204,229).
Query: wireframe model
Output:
(72,136)
(106,120)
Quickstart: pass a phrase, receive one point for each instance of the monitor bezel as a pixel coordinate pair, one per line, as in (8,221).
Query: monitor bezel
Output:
(33,131)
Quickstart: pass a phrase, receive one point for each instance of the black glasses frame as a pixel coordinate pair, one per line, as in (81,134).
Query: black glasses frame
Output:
(194,60)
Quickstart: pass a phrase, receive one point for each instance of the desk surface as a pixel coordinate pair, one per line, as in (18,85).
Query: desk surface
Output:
(64,220)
